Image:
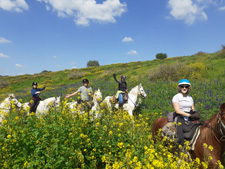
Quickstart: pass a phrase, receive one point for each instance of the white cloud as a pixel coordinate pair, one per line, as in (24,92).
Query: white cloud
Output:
(132,52)
(222,8)
(127,39)
(3,55)
(13,5)
(54,57)
(19,65)
(187,10)
(3,40)
(74,67)
(84,11)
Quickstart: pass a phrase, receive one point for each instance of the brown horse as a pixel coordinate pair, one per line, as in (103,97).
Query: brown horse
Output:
(212,133)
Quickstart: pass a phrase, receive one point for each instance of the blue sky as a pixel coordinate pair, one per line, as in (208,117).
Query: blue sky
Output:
(54,35)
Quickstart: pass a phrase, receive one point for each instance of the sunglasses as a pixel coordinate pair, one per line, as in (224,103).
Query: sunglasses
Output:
(181,86)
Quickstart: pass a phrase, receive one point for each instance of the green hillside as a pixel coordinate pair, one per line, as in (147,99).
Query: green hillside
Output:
(158,77)
(62,139)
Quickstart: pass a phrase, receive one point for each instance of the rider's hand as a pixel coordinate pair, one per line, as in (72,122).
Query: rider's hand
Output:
(44,85)
(38,92)
(196,116)
(67,96)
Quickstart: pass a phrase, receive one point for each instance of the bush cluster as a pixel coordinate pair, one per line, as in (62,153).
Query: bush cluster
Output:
(4,83)
(76,75)
(178,71)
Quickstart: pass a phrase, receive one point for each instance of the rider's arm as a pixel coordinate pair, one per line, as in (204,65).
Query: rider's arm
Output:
(177,109)
(193,107)
(41,88)
(69,95)
(116,79)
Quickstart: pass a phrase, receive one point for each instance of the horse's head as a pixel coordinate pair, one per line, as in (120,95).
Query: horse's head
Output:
(12,99)
(222,112)
(141,91)
(57,101)
(222,120)
(98,95)
(11,96)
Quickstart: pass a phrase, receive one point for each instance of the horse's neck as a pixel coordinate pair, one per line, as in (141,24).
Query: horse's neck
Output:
(5,102)
(49,100)
(133,94)
(213,131)
(95,101)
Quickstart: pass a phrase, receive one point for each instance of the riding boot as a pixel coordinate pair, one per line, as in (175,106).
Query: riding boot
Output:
(121,106)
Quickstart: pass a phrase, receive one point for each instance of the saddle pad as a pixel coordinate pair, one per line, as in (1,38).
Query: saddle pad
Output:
(170,131)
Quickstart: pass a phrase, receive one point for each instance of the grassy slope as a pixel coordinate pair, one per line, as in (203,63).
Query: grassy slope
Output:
(58,83)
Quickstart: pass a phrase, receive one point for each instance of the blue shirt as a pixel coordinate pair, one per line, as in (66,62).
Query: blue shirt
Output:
(33,91)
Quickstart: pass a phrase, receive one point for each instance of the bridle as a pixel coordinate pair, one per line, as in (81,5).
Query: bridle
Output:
(222,126)
(221,129)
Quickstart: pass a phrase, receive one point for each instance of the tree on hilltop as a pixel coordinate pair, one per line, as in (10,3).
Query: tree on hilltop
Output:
(92,63)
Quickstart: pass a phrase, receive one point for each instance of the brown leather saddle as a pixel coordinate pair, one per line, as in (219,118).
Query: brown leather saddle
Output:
(114,100)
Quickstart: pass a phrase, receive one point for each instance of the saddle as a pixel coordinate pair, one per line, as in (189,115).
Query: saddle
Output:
(114,100)
(191,129)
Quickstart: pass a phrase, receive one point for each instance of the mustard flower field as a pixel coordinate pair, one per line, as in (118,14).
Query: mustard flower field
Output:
(61,139)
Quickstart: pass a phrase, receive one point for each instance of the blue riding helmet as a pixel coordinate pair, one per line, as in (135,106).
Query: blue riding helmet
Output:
(184,81)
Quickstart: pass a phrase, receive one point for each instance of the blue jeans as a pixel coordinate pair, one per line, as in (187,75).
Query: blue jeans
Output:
(121,98)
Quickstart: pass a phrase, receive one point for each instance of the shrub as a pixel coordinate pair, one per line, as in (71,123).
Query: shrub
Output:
(200,53)
(92,63)
(4,84)
(178,71)
(76,75)
(161,56)
(169,72)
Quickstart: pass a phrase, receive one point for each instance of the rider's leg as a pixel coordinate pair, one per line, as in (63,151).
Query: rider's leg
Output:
(33,107)
(120,100)
(180,132)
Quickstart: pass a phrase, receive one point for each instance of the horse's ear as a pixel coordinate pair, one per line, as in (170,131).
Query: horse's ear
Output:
(98,90)
(222,107)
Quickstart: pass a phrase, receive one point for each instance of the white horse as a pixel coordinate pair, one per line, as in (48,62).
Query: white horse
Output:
(132,99)
(97,98)
(6,105)
(44,105)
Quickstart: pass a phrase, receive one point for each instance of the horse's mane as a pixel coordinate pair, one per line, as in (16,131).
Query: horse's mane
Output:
(132,90)
(213,119)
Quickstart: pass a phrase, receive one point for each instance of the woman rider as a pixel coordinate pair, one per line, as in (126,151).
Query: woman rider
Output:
(184,108)
(122,88)
(86,93)
(35,92)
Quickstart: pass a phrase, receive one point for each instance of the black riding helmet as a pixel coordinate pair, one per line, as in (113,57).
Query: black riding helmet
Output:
(34,83)
(85,81)
(123,77)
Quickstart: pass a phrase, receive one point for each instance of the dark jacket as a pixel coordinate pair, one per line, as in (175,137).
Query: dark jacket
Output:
(36,96)
(122,85)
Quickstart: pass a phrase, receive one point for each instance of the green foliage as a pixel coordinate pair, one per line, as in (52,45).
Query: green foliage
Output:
(64,140)
(178,70)
(161,56)
(76,75)
(4,84)
(92,63)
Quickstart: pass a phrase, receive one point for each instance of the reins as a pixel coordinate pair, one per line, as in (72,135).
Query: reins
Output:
(220,132)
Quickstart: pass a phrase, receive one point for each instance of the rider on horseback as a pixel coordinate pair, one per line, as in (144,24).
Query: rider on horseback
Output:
(86,93)
(122,89)
(35,92)
(184,108)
